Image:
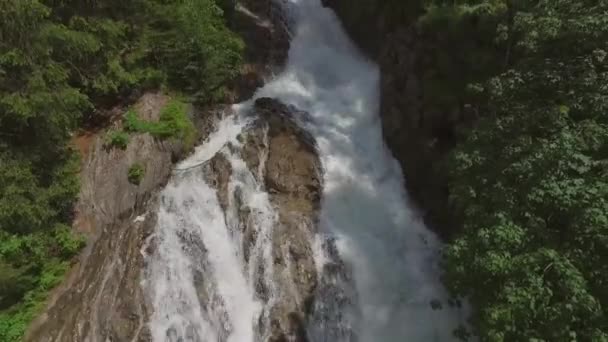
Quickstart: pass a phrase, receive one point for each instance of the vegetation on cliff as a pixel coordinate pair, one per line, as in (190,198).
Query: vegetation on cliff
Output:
(173,123)
(529,178)
(59,61)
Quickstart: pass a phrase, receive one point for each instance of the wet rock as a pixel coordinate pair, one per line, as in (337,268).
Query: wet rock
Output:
(293,174)
(217,173)
(262,26)
(282,157)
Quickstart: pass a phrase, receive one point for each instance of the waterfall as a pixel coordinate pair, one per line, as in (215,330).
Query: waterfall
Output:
(376,262)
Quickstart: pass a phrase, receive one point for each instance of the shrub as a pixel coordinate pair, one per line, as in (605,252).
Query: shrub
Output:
(175,117)
(174,122)
(136,173)
(118,139)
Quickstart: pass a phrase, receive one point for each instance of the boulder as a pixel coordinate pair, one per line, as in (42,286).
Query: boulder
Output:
(283,158)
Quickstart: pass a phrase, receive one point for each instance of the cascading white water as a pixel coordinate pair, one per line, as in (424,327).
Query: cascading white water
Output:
(193,240)
(388,256)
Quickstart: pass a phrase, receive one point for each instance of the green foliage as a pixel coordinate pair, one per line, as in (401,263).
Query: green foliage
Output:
(28,202)
(132,123)
(175,117)
(136,173)
(530,181)
(14,321)
(118,139)
(174,122)
(34,242)
(190,43)
(462,53)
(69,244)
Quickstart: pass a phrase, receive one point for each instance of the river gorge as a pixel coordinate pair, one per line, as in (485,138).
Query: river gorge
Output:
(289,222)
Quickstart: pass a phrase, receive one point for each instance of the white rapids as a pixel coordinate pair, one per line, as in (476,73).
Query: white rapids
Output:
(388,255)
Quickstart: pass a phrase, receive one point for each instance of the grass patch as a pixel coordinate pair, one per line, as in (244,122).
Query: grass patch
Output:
(136,173)
(118,139)
(174,122)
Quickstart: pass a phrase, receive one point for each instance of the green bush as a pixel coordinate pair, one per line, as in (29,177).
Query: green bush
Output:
(175,117)
(31,265)
(136,173)
(69,244)
(174,122)
(119,139)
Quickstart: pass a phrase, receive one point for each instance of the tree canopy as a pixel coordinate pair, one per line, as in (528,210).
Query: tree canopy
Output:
(529,179)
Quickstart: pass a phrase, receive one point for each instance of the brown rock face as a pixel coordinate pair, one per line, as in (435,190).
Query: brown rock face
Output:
(293,178)
(101,298)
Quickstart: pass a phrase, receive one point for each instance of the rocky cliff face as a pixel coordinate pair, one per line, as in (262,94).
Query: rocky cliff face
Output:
(101,298)
(418,133)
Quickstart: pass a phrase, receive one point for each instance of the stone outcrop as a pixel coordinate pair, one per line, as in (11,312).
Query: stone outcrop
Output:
(418,132)
(283,158)
(293,178)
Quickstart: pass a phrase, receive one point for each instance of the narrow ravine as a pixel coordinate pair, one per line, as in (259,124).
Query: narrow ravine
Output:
(376,263)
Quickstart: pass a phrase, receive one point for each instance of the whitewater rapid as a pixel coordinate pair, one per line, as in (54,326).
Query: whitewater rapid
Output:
(389,257)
